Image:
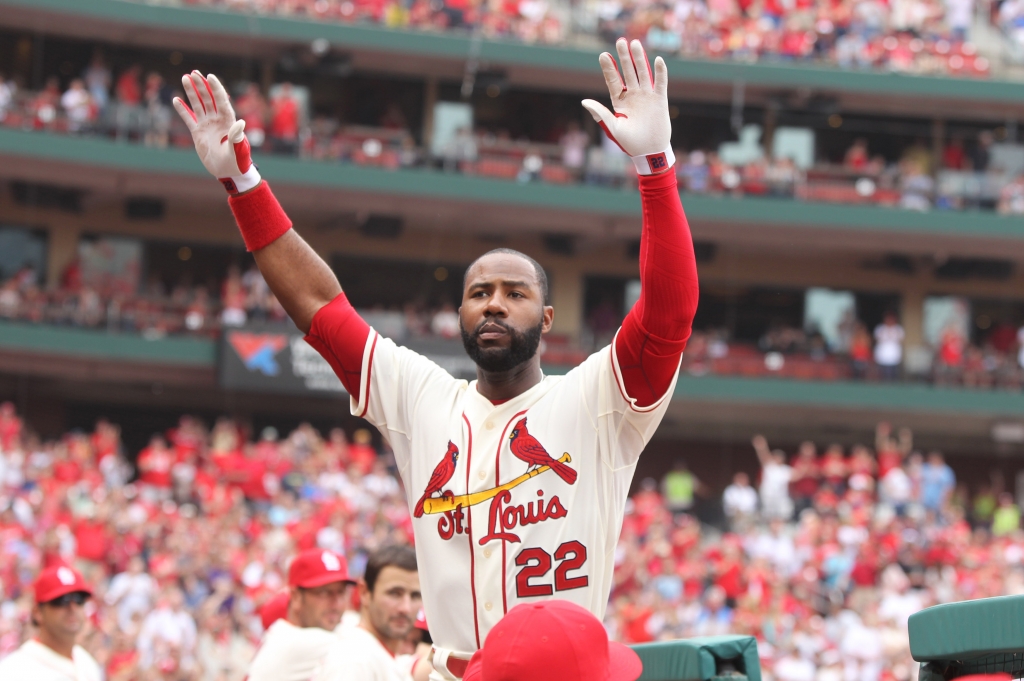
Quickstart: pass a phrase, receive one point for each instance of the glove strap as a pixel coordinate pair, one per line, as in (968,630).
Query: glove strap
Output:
(239,184)
(654,164)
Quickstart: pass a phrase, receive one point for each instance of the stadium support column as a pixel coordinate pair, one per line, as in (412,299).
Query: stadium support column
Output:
(61,250)
(938,144)
(912,317)
(429,101)
(567,298)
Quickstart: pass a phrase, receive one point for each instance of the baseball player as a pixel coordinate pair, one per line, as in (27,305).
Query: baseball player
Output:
(518,480)
(293,647)
(389,599)
(58,612)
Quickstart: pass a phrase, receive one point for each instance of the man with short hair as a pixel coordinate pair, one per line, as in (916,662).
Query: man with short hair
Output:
(58,612)
(293,647)
(389,597)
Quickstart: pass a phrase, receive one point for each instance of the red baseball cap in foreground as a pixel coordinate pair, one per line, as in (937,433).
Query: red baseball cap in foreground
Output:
(274,609)
(317,567)
(58,581)
(553,640)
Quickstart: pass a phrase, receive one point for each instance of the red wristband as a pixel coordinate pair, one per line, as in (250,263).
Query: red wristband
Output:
(260,217)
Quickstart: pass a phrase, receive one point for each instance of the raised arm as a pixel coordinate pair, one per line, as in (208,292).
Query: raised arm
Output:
(303,283)
(652,338)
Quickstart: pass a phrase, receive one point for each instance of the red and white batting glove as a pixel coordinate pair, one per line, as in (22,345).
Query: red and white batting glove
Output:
(640,124)
(219,138)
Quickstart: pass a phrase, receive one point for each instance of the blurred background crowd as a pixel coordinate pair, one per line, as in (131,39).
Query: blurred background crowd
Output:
(917,36)
(976,170)
(822,555)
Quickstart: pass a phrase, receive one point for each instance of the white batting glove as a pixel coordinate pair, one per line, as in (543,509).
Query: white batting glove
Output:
(219,138)
(640,124)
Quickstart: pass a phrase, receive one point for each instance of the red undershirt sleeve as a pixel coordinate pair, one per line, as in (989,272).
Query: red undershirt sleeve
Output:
(337,331)
(653,335)
(339,334)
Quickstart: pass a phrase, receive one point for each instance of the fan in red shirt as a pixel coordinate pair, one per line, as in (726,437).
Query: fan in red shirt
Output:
(10,426)
(154,463)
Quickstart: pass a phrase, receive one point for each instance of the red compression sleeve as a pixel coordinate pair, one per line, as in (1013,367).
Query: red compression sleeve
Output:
(260,217)
(339,334)
(655,331)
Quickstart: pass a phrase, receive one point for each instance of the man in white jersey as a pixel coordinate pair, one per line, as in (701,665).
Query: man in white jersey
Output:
(518,481)
(293,647)
(389,599)
(59,614)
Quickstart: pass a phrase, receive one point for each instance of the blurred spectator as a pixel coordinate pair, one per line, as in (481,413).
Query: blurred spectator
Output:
(739,501)
(97,79)
(574,143)
(78,105)
(158,112)
(937,483)
(857,155)
(806,477)
(982,153)
(6,96)
(679,488)
(445,322)
(167,638)
(1006,517)
(1011,197)
(128,93)
(889,347)
(252,107)
(133,593)
(776,475)
(284,121)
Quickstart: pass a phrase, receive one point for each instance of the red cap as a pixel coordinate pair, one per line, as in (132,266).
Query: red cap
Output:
(57,581)
(552,640)
(274,609)
(317,567)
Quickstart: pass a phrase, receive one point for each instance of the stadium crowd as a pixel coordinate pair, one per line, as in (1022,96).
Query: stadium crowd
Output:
(996,360)
(823,561)
(916,36)
(136,106)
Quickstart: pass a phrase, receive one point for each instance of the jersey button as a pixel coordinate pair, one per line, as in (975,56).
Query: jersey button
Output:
(487,553)
(483,475)
(489,425)
(487,605)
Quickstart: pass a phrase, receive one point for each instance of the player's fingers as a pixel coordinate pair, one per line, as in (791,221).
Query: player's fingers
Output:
(237,132)
(193,94)
(220,95)
(641,65)
(612,77)
(660,77)
(626,60)
(600,113)
(186,113)
(202,91)
(604,117)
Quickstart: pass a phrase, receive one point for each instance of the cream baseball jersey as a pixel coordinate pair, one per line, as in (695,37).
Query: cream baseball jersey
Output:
(511,502)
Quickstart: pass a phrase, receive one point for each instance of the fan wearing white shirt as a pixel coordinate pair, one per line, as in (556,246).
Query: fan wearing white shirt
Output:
(59,614)
(294,646)
(389,597)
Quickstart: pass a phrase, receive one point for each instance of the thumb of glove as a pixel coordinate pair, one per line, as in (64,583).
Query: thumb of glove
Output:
(600,112)
(237,132)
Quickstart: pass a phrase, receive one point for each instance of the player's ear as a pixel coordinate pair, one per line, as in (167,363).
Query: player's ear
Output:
(549,318)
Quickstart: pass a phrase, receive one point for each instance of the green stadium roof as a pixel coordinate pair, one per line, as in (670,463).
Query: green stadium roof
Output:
(368,37)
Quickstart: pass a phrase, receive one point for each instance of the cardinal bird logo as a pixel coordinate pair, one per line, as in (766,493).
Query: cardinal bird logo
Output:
(526,447)
(439,478)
